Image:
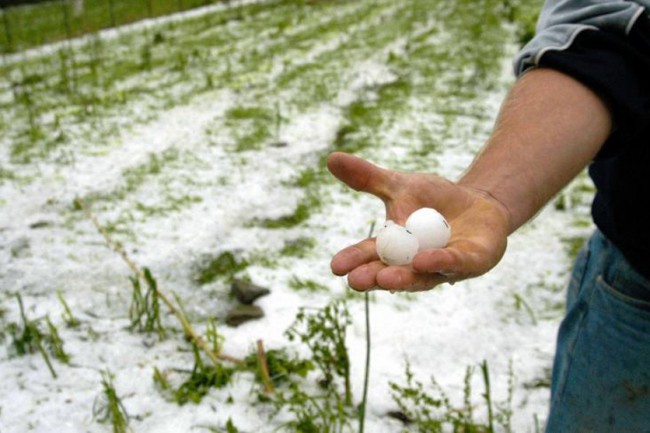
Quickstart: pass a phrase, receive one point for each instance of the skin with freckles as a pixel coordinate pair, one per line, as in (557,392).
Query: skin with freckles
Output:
(549,128)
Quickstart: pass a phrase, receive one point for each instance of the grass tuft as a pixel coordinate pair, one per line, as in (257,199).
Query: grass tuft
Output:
(108,407)
(30,337)
(226,266)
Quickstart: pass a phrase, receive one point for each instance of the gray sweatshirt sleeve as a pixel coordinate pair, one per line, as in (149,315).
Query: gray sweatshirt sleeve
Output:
(560,21)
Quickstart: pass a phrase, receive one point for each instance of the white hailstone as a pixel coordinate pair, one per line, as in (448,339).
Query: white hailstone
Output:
(396,245)
(429,227)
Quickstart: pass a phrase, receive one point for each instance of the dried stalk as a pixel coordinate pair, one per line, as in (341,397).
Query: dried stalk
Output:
(188,330)
(264,368)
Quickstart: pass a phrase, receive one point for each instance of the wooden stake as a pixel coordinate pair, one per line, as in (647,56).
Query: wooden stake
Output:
(264,368)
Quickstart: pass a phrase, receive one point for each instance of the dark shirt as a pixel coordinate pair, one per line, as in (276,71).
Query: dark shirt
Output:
(617,67)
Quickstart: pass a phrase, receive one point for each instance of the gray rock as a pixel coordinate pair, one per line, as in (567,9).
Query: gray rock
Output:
(40,224)
(243,313)
(246,292)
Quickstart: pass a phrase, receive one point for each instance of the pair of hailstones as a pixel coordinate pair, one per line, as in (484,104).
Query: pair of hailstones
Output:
(424,229)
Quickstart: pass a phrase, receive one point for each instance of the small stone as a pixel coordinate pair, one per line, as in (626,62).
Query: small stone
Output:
(40,224)
(243,313)
(400,416)
(247,292)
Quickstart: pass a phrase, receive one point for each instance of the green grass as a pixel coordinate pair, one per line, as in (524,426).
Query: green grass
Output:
(163,67)
(76,99)
(300,284)
(301,213)
(298,248)
(272,62)
(226,266)
(251,127)
(108,407)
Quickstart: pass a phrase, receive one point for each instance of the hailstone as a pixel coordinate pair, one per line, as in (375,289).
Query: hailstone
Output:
(396,245)
(429,227)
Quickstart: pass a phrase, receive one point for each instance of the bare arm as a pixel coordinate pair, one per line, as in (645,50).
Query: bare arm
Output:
(550,127)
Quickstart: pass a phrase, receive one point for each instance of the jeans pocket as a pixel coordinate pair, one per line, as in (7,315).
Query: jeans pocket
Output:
(628,293)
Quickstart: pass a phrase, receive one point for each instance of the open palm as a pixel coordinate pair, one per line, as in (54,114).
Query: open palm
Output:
(479,228)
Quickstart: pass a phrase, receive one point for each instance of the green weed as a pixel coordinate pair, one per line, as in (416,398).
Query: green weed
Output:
(312,413)
(520,303)
(6,175)
(145,307)
(135,176)
(324,332)
(430,410)
(252,127)
(307,284)
(30,337)
(68,317)
(108,407)
(306,206)
(573,244)
(298,247)
(283,368)
(201,379)
(213,338)
(226,266)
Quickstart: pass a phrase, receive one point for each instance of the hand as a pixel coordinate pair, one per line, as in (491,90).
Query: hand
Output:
(479,228)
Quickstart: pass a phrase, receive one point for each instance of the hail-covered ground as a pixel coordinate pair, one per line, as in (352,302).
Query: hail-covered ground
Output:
(198,143)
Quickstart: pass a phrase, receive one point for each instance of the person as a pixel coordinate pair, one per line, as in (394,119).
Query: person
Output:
(581,99)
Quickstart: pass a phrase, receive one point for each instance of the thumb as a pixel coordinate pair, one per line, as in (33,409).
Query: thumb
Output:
(359,174)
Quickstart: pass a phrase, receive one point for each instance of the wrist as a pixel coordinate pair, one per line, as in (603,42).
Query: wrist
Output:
(500,207)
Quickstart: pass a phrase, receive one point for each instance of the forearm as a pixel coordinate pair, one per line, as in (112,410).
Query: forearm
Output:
(549,128)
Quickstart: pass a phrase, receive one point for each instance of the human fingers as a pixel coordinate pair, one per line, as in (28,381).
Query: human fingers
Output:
(359,174)
(430,268)
(354,256)
(463,258)
(444,260)
(404,279)
(364,277)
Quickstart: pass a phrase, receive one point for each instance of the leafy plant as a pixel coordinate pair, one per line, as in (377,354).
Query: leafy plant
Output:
(175,308)
(283,368)
(230,427)
(198,383)
(108,405)
(430,410)
(145,308)
(225,266)
(29,337)
(324,333)
(326,406)
(312,413)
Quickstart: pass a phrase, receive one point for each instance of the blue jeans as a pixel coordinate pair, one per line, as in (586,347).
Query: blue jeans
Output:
(601,374)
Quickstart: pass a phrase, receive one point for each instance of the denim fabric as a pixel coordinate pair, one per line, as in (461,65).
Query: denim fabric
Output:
(601,375)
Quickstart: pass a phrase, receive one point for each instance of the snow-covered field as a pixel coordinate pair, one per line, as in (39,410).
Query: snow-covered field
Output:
(203,135)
